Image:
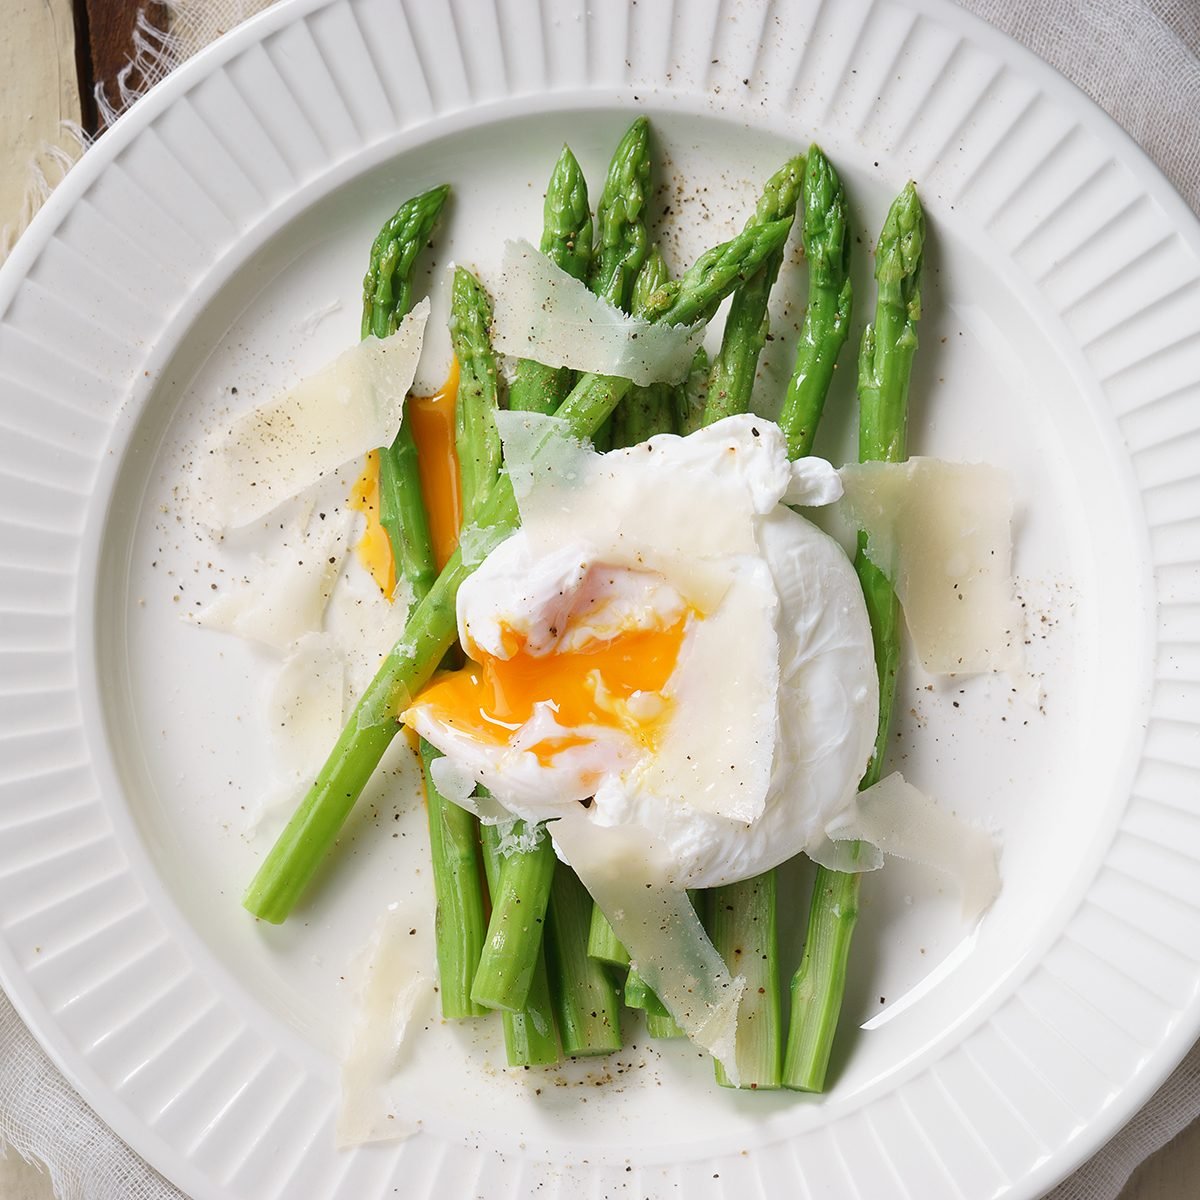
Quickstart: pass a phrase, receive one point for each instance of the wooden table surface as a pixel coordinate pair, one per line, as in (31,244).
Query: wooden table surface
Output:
(54,52)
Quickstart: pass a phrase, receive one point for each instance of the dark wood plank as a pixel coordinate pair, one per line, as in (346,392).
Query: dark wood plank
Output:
(106,27)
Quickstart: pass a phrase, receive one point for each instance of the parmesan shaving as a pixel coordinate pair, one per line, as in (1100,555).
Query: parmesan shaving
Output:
(284,596)
(305,707)
(659,927)
(279,448)
(365,626)
(895,817)
(941,532)
(393,987)
(545,314)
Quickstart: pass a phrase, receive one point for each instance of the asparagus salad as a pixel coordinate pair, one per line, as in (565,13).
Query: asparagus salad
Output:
(638,677)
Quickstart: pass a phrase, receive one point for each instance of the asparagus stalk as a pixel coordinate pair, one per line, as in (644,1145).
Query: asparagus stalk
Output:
(459,924)
(742,925)
(430,632)
(387,285)
(566,241)
(830,300)
(530,1036)
(585,1000)
(387,297)
(647,410)
(884,369)
(453,832)
(512,948)
(662,1027)
(603,944)
(731,378)
(622,240)
(691,397)
(477,440)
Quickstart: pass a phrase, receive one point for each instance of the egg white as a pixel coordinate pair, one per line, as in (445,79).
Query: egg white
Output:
(773,703)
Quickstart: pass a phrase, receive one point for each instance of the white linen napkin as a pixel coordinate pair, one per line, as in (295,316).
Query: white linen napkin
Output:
(1139,60)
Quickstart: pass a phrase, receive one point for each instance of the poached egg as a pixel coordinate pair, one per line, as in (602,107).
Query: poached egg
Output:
(664,646)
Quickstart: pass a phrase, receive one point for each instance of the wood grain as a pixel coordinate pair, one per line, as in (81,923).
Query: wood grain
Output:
(109,27)
(40,92)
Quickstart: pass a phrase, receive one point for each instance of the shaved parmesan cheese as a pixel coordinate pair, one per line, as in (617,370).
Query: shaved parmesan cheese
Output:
(394,986)
(365,627)
(304,718)
(898,819)
(660,929)
(545,314)
(941,532)
(276,450)
(305,706)
(284,596)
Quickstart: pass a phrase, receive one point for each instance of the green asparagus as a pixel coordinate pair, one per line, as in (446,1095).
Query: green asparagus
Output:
(884,369)
(827,317)
(477,440)
(742,925)
(731,378)
(431,631)
(514,934)
(588,1011)
(691,397)
(387,297)
(622,240)
(459,923)
(530,1036)
(566,241)
(647,410)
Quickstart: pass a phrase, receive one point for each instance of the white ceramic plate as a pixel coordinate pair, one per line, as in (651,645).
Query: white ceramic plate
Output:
(215,240)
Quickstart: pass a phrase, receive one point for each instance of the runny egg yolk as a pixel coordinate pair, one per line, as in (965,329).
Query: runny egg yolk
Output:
(431,419)
(374,550)
(614,683)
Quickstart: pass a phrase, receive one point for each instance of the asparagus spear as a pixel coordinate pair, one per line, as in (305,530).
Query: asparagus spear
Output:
(584,997)
(691,397)
(430,632)
(387,297)
(387,286)
(514,935)
(477,440)
(731,378)
(453,832)
(884,368)
(459,923)
(566,241)
(827,317)
(530,1037)
(647,410)
(622,240)
(603,944)
(662,1027)
(621,235)
(742,925)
